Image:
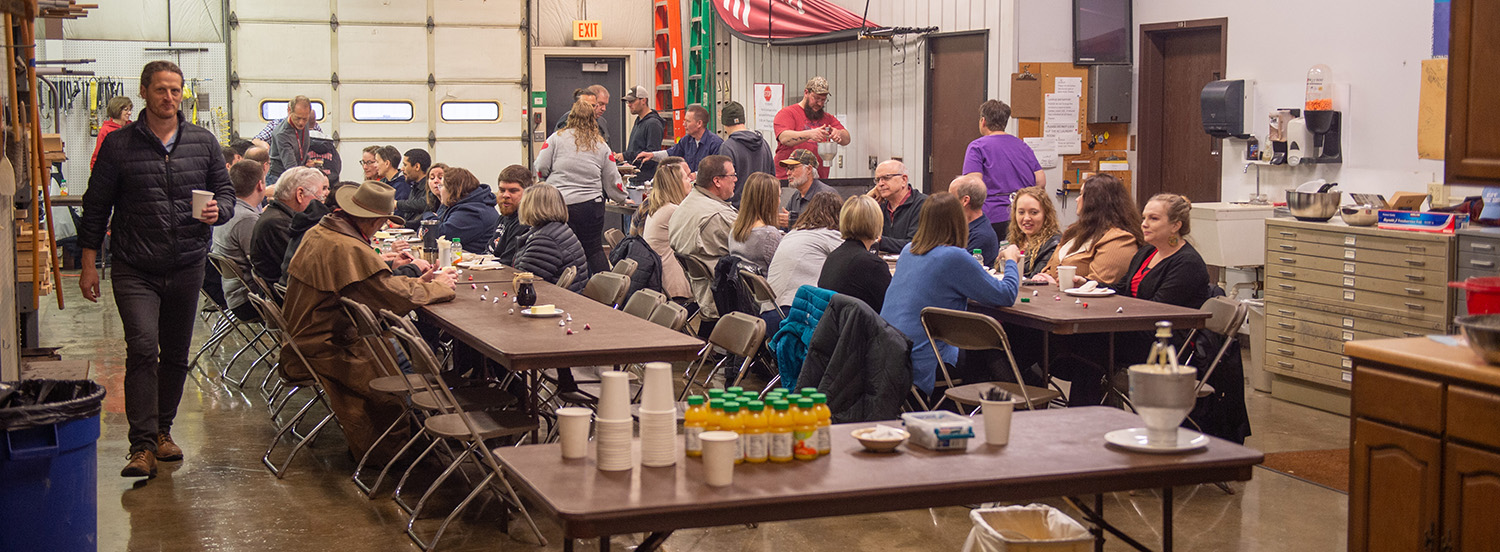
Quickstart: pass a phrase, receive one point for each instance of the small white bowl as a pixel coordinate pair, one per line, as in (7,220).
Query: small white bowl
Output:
(878,445)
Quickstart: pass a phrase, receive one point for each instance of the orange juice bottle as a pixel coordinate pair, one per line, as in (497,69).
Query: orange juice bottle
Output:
(715,394)
(808,391)
(715,419)
(781,432)
(824,432)
(804,445)
(736,390)
(734,421)
(757,428)
(693,422)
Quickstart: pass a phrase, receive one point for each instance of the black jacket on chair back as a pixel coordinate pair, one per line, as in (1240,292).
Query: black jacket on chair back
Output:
(549,250)
(149,191)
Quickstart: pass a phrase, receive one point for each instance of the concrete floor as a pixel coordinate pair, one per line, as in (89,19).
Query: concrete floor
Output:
(221,498)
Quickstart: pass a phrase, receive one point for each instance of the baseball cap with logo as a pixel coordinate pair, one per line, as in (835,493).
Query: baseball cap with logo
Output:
(800,157)
(635,93)
(817,85)
(732,114)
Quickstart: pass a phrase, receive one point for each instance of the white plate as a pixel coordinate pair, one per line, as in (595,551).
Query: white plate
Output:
(484,264)
(399,231)
(527,312)
(890,258)
(1135,439)
(1096,292)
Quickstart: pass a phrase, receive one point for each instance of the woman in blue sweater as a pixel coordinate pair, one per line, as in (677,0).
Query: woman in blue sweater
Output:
(935,271)
(468,211)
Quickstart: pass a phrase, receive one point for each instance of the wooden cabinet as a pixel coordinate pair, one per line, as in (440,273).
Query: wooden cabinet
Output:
(1425,448)
(1328,284)
(1473,152)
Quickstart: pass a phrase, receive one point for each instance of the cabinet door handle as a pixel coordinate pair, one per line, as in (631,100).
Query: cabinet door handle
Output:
(1414,306)
(1286,338)
(1416,278)
(1288,260)
(1413,262)
(1480,264)
(1286,312)
(1482,247)
(1288,234)
(1412,334)
(1416,249)
(1287,286)
(1288,247)
(1287,273)
(1285,364)
(1414,291)
(1286,352)
(1287,326)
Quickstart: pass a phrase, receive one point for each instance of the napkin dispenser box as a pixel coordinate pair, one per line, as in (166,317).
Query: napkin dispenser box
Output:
(1421,221)
(938,430)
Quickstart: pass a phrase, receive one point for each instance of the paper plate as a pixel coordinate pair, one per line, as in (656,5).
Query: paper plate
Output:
(555,314)
(1096,292)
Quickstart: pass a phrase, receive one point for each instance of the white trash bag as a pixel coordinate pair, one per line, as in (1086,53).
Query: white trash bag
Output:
(1030,528)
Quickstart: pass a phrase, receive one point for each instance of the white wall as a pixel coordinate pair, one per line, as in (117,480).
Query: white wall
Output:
(146,20)
(624,23)
(1375,50)
(878,87)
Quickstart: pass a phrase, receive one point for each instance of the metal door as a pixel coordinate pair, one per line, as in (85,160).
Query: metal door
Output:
(566,74)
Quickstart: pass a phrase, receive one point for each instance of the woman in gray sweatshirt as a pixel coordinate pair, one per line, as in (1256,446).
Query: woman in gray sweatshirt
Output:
(577,162)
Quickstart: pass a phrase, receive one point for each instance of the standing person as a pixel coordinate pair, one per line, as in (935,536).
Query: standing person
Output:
(290,144)
(802,176)
(597,96)
(119,108)
(414,167)
(296,190)
(510,233)
(755,235)
(900,205)
(698,144)
(141,191)
(468,212)
(1003,161)
(667,192)
(646,135)
(970,192)
(804,124)
(1033,228)
(745,148)
(851,269)
(700,227)
(576,161)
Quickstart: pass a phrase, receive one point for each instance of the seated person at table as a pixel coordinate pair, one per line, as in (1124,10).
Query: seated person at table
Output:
(1106,236)
(668,189)
(467,212)
(510,233)
(934,271)
(970,191)
(800,257)
(550,247)
(851,269)
(1033,228)
(335,260)
(900,205)
(755,236)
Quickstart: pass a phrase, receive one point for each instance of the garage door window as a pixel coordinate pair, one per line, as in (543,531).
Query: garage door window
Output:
(470,111)
(271,110)
(382,110)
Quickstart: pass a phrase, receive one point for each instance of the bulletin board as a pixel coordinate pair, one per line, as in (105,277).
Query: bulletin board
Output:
(1030,96)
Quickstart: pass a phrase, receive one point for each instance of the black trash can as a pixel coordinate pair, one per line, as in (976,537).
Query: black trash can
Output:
(48,435)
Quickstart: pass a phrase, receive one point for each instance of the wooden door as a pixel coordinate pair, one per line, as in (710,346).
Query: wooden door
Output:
(1393,493)
(1473,154)
(1471,499)
(1177,60)
(956,84)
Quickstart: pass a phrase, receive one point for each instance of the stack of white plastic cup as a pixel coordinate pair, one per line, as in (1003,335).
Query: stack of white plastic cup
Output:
(658,416)
(614,431)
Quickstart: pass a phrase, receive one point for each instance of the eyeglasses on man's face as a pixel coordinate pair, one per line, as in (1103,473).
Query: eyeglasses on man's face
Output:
(887,177)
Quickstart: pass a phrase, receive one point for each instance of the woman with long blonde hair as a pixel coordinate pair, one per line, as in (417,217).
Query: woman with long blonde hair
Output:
(1033,228)
(577,161)
(668,189)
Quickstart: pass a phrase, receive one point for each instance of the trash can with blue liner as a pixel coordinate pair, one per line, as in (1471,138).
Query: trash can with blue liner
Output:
(48,474)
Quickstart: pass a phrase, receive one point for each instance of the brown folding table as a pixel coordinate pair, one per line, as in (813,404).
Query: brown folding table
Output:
(1051,453)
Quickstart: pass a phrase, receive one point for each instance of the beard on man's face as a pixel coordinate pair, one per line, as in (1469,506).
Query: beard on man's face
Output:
(812,114)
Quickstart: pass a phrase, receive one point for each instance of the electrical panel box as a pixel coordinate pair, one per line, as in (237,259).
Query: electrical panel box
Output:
(1109,94)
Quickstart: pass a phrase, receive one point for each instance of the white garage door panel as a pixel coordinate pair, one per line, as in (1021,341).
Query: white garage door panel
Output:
(512,100)
(477,12)
(415,128)
(484,159)
(382,53)
(247,102)
(282,52)
(476,53)
(399,11)
(275,9)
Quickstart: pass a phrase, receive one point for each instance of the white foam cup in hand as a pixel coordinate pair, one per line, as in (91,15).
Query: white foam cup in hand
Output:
(200,201)
(1065,276)
(573,430)
(657,396)
(997,420)
(614,396)
(718,457)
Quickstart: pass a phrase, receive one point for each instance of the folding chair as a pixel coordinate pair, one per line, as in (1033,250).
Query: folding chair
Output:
(613,237)
(643,302)
(608,288)
(565,280)
(231,269)
(976,332)
(698,274)
(626,266)
(1225,318)
(391,382)
(670,315)
(274,321)
(738,333)
(760,289)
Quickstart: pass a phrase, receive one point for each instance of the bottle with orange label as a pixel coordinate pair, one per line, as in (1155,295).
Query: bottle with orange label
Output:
(781,429)
(735,422)
(756,434)
(804,433)
(693,422)
(824,432)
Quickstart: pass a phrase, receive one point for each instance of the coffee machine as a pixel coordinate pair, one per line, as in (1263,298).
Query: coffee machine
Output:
(1326,127)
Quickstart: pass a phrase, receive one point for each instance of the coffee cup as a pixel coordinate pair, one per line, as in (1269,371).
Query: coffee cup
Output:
(997,416)
(573,430)
(1065,276)
(718,457)
(200,202)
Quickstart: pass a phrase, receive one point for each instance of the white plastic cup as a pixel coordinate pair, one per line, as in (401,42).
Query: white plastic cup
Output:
(573,431)
(614,396)
(718,457)
(200,202)
(997,416)
(1065,276)
(657,395)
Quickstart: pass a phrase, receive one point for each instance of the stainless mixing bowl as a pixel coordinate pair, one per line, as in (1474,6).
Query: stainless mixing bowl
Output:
(1358,215)
(1313,206)
(1483,332)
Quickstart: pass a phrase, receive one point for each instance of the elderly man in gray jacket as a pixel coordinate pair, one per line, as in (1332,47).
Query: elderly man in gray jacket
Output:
(700,226)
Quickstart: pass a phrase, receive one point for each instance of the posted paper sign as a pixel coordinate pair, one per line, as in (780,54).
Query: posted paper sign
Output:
(1061,123)
(1072,86)
(1045,149)
(768,101)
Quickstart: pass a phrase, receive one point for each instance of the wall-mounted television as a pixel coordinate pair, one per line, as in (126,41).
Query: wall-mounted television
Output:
(1101,32)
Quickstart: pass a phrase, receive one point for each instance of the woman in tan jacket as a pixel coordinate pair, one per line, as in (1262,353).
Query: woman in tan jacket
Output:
(1104,239)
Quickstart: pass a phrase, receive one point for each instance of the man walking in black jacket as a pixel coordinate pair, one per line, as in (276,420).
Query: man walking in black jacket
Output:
(146,176)
(647,133)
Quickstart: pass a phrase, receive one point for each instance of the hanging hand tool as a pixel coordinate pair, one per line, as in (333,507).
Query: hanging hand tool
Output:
(93,99)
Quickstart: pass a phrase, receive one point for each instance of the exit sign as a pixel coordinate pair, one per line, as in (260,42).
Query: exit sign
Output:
(587,30)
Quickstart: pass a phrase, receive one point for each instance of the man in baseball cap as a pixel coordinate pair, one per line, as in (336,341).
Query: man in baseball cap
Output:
(801,168)
(806,123)
(746,149)
(647,133)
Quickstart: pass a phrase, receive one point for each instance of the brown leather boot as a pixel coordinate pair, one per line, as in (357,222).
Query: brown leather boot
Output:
(142,464)
(166,450)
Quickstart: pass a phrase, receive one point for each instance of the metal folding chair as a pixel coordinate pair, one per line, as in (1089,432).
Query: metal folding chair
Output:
(643,302)
(274,321)
(976,332)
(230,269)
(613,237)
(565,280)
(760,289)
(670,315)
(626,266)
(698,274)
(738,333)
(608,288)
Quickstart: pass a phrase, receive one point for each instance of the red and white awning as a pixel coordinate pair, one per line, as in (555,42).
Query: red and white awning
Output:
(790,21)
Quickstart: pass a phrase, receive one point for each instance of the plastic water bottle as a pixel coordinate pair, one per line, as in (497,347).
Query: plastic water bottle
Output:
(979,256)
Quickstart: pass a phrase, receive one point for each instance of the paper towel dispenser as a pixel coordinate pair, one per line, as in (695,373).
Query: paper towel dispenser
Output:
(1226,108)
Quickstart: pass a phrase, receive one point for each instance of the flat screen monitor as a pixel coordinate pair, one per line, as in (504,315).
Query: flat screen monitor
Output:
(1101,32)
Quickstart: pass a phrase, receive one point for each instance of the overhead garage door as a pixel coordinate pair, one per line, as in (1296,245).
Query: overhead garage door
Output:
(443,75)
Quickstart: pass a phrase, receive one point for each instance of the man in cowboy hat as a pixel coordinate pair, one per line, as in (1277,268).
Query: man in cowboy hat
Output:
(335,260)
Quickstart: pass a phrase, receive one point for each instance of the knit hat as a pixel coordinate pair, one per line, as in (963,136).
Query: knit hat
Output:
(732,114)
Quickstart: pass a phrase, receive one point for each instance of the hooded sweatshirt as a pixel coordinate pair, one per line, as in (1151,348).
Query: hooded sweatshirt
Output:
(472,219)
(749,153)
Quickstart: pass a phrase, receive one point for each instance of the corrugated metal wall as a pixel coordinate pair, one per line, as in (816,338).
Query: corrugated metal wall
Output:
(879,87)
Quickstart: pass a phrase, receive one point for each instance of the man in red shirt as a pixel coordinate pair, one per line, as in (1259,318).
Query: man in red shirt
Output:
(804,124)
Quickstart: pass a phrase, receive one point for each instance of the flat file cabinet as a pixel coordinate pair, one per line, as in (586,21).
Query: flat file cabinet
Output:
(1478,256)
(1328,283)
